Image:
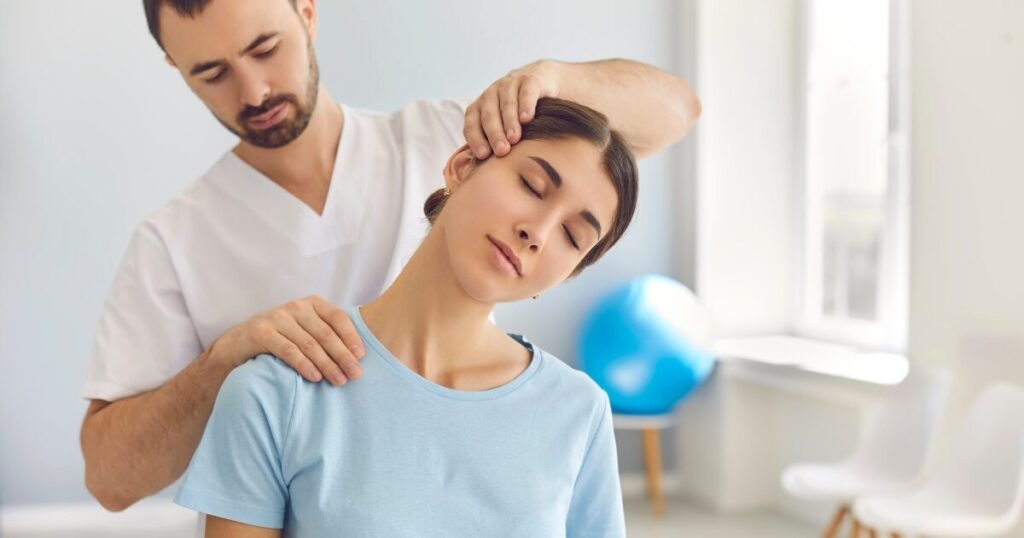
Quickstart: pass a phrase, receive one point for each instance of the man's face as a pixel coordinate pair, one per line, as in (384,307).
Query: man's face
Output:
(252,64)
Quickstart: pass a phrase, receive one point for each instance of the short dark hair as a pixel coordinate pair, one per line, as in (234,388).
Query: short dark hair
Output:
(558,119)
(185,8)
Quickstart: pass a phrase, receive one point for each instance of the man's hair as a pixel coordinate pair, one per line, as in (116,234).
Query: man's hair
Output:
(558,119)
(185,8)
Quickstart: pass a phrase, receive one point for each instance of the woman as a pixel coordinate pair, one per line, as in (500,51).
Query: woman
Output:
(455,428)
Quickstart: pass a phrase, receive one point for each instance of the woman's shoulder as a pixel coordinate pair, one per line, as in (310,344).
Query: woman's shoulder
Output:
(567,380)
(264,378)
(265,366)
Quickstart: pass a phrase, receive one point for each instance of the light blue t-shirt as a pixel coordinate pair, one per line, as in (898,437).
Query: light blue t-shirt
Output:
(395,455)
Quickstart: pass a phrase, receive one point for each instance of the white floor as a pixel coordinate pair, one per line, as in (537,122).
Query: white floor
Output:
(682,520)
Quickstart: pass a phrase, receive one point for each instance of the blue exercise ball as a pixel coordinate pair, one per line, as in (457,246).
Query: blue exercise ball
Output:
(647,344)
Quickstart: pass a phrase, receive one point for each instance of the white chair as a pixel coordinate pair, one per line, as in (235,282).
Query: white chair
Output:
(890,454)
(979,490)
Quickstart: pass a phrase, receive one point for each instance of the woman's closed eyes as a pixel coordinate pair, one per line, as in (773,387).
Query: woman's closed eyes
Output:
(568,233)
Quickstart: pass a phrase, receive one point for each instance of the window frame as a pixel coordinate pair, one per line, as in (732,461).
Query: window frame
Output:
(889,331)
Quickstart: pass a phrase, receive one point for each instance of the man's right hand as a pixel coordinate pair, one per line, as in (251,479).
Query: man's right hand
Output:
(311,335)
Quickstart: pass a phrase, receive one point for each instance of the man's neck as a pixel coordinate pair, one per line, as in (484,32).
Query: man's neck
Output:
(305,166)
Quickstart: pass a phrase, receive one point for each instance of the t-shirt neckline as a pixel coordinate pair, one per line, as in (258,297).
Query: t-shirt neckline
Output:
(472,395)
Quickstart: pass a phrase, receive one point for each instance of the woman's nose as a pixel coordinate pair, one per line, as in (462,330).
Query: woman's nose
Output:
(525,236)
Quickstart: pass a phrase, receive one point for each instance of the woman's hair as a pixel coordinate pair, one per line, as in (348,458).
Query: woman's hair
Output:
(558,119)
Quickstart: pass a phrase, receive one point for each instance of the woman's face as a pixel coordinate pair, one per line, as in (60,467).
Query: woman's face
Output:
(517,225)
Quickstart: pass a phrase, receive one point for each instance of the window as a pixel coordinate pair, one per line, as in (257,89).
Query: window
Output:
(854,127)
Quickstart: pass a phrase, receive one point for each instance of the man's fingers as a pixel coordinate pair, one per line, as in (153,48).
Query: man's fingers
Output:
(310,347)
(509,99)
(529,94)
(474,132)
(332,327)
(490,120)
(339,321)
(284,349)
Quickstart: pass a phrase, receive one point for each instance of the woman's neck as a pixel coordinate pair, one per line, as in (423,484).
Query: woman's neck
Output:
(432,326)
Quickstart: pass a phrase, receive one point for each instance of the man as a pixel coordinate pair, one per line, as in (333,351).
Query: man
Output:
(318,205)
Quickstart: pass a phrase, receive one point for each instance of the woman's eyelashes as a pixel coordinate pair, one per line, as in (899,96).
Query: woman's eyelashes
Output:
(568,233)
(572,240)
(530,187)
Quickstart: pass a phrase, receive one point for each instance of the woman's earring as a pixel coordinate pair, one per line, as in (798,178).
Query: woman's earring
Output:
(447,192)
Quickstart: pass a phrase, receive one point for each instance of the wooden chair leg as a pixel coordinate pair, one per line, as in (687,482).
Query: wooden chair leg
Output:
(652,461)
(855,531)
(833,528)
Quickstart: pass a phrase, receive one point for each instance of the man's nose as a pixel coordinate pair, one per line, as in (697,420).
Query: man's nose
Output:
(253,90)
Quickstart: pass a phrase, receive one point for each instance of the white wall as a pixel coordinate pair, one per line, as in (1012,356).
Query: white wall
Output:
(747,193)
(747,209)
(967,225)
(967,233)
(967,195)
(97,132)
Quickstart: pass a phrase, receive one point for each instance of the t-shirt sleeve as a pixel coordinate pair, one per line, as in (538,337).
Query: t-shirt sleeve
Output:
(596,506)
(145,334)
(236,472)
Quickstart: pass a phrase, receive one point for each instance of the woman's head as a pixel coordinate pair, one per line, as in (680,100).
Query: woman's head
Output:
(556,203)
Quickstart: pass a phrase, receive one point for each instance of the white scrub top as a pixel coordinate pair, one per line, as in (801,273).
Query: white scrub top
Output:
(235,244)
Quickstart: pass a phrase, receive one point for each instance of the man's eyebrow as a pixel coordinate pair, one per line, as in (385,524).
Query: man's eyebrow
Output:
(259,41)
(552,173)
(205,66)
(262,38)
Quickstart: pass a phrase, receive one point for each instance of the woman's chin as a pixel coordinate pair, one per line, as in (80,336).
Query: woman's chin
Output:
(490,290)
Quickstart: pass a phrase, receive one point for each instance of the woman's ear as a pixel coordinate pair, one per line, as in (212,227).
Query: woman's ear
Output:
(458,167)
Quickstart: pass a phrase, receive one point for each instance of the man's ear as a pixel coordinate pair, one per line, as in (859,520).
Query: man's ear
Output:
(458,167)
(307,14)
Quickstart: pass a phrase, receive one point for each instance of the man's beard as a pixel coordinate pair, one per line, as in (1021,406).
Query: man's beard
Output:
(288,129)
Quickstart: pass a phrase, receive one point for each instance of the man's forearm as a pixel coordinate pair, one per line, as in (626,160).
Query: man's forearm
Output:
(137,446)
(651,108)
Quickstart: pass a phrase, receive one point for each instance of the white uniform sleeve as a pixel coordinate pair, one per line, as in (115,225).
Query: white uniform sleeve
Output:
(145,334)
(452,114)
(596,506)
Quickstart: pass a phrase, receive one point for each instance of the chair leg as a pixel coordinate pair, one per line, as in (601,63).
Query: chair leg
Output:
(837,521)
(652,461)
(855,531)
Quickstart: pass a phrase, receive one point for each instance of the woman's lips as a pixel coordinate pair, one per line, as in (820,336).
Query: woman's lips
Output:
(503,261)
(269,118)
